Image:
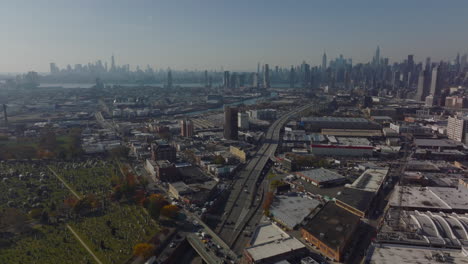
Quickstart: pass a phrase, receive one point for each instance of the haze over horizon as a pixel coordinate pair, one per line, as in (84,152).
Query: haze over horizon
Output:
(230,34)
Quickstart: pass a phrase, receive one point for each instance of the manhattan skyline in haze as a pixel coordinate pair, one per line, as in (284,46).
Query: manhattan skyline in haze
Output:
(234,35)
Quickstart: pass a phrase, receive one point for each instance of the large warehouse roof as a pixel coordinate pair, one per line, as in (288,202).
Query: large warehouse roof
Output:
(320,175)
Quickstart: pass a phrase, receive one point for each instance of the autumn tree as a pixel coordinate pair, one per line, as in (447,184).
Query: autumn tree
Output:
(269,197)
(170,211)
(155,204)
(274,184)
(143,250)
(85,204)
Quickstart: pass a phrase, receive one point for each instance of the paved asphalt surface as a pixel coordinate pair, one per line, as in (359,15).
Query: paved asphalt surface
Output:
(242,203)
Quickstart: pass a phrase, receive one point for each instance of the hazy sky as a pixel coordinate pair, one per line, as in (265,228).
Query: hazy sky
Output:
(235,34)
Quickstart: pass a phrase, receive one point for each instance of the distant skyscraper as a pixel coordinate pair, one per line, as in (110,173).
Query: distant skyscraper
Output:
(230,123)
(433,89)
(306,79)
(53,68)
(266,77)
(409,78)
(324,62)
(255,80)
(169,79)
(377,56)
(438,83)
(226,80)
(424,83)
(186,128)
(292,77)
(428,66)
(112,63)
(463,62)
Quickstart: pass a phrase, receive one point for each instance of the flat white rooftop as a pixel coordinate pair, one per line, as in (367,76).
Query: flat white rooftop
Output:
(274,242)
(370,180)
(390,254)
(430,198)
(320,175)
(267,233)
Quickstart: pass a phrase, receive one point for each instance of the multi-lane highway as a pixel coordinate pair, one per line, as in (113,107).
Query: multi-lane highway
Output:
(243,201)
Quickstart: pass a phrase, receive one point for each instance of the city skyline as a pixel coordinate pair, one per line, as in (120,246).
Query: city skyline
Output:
(144,33)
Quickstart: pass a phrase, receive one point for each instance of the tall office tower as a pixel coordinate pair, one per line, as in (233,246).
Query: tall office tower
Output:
(266,77)
(324,62)
(377,56)
(347,79)
(463,62)
(53,68)
(292,77)
(410,62)
(457,62)
(255,80)
(410,69)
(169,79)
(307,76)
(186,128)
(428,66)
(258,68)
(243,121)
(226,79)
(235,81)
(433,88)
(230,123)
(424,82)
(242,79)
(206,78)
(112,63)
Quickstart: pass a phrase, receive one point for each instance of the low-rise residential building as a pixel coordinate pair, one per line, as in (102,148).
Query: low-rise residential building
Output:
(238,152)
(179,189)
(162,170)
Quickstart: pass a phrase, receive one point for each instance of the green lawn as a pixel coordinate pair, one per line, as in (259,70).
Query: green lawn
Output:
(56,244)
(47,245)
(29,191)
(132,226)
(95,180)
